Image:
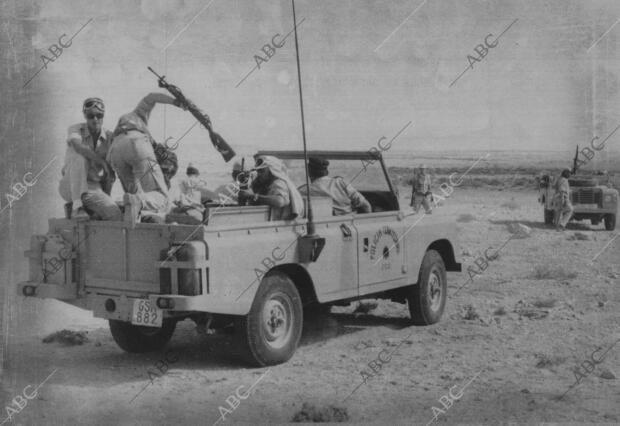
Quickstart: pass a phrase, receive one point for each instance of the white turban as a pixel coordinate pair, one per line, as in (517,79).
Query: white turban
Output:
(278,170)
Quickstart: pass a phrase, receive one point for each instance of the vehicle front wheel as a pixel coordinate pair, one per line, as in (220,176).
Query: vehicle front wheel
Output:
(610,222)
(270,332)
(427,298)
(548,217)
(139,339)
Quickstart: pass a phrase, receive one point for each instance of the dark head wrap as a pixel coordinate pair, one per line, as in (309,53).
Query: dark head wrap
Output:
(317,167)
(191,170)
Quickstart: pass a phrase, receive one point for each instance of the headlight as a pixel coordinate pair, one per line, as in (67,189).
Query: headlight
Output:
(609,198)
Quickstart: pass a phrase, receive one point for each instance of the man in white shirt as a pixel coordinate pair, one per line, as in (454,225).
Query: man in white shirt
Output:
(191,188)
(86,176)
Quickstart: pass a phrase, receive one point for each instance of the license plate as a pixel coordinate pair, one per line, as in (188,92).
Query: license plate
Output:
(144,313)
(588,206)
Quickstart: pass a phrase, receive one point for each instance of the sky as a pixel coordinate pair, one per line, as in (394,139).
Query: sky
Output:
(368,68)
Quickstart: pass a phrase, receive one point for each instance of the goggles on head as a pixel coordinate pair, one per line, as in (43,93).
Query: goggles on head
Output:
(93,103)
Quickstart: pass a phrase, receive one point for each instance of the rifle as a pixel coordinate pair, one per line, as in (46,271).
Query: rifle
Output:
(575,160)
(243,179)
(218,141)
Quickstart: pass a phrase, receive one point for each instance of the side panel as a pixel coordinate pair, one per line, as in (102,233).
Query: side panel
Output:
(240,258)
(335,273)
(249,255)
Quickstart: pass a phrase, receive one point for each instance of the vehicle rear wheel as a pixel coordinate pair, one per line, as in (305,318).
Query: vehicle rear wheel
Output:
(427,298)
(139,339)
(610,222)
(548,217)
(270,332)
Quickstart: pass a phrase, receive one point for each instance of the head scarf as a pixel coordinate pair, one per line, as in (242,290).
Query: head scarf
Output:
(278,170)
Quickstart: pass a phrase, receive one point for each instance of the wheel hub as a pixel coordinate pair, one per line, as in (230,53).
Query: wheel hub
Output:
(434,290)
(277,321)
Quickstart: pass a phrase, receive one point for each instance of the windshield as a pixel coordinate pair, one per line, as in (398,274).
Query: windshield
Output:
(363,175)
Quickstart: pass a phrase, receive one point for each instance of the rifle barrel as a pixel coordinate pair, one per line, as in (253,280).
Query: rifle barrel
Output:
(153,71)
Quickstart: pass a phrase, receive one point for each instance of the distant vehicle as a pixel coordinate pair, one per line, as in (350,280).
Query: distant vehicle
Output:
(592,197)
(244,269)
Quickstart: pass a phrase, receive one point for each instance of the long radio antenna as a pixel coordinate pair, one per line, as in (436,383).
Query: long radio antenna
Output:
(310,216)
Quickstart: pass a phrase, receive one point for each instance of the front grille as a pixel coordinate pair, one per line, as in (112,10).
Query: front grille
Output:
(586,196)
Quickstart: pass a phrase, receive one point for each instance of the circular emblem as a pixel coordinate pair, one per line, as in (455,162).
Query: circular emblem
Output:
(385,239)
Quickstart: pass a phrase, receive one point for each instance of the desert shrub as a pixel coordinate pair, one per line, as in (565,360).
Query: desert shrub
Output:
(578,236)
(511,205)
(67,337)
(311,413)
(469,313)
(546,272)
(365,307)
(466,218)
(500,311)
(545,360)
(548,302)
(495,182)
(473,182)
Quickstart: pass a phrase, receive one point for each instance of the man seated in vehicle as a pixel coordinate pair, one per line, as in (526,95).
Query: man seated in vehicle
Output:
(273,187)
(345,198)
(87,177)
(240,180)
(189,200)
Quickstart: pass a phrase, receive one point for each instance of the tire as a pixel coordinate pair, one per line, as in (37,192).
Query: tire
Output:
(427,298)
(139,339)
(262,341)
(610,222)
(549,217)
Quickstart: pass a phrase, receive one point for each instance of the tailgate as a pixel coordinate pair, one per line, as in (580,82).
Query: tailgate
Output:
(122,258)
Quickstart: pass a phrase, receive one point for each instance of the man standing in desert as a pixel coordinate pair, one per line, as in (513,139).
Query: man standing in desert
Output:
(561,202)
(421,190)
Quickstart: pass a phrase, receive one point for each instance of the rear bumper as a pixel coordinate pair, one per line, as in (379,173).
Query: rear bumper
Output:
(123,304)
(50,291)
(45,291)
(203,303)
